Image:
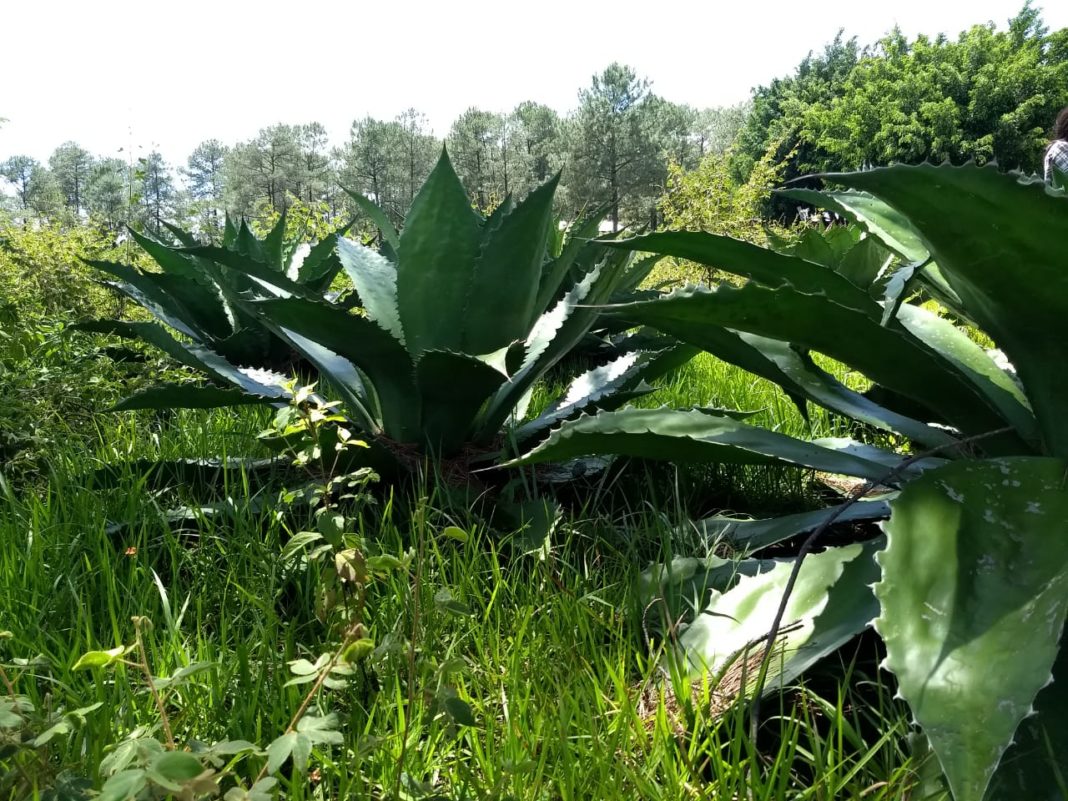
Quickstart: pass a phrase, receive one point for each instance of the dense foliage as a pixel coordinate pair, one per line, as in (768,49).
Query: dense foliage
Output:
(989,95)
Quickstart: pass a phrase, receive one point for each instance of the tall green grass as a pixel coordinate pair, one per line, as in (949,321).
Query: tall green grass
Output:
(548,651)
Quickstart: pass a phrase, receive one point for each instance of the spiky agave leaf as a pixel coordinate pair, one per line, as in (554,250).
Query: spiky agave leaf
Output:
(973,597)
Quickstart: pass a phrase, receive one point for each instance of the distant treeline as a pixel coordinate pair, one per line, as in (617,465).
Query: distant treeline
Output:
(987,95)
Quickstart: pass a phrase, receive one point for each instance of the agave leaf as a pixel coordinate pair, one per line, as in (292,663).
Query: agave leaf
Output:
(553,336)
(378,217)
(322,263)
(752,535)
(171,260)
(756,263)
(864,262)
(251,380)
(831,603)
(1036,765)
(889,355)
(453,388)
(184,237)
(438,248)
(187,396)
(637,271)
(246,244)
(274,280)
(691,436)
(375,280)
(808,380)
(973,597)
(274,243)
(146,292)
(587,390)
(814,247)
(229,231)
(887,224)
(363,343)
(503,285)
(556,270)
(504,208)
(956,346)
(1001,250)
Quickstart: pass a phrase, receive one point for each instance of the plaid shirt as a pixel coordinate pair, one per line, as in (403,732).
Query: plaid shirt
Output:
(1056,159)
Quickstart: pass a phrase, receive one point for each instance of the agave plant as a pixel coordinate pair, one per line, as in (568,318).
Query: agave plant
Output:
(191,295)
(459,317)
(968,586)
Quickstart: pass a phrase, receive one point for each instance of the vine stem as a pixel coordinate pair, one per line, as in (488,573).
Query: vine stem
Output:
(147,670)
(810,541)
(310,696)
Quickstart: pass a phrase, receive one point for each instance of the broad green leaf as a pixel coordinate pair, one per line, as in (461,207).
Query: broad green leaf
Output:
(384,563)
(232,747)
(173,768)
(98,659)
(184,237)
(455,533)
(301,752)
(256,382)
(246,244)
(321,729)
(145,291)
(321,264)
(280,750)
(361,403)
(503,286)
(759,264)
(181,674)
(888,355)
(375,280)
(553,336)
(690,436)
(441,240)
(973,597)
(1002,252)
(805,379)
(752,535)
(229,231)
(171,260)
(587,390)
(123,786)
(556,270)
(863,263)
(187,396)
(831,603)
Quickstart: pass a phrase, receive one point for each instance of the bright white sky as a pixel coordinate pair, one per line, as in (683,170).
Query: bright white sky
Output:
(152,73)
